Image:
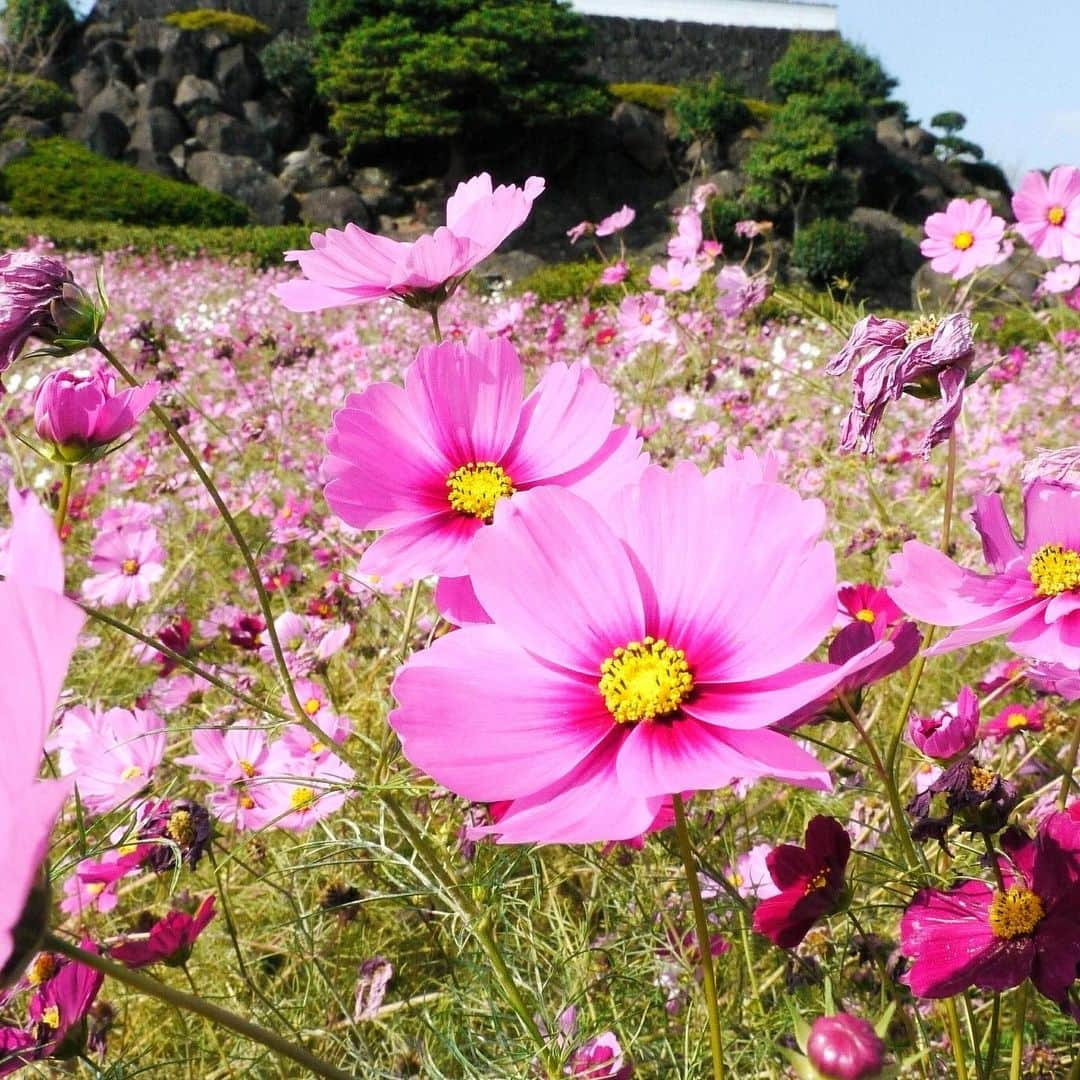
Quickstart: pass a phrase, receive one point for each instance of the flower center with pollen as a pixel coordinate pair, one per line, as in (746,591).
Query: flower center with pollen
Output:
(963,240)
(181,828)
(474,489)
(301,798)
(646,680)
(1055,569)
(1055,215)
(921,328)
(1014,912)
(865,615)
(129,567)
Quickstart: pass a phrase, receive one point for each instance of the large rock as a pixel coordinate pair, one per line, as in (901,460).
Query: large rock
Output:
(114,60)
(196,97)
(237,74)
(308,170)
(641,135)
(13,149)
(103,132)
(273,118)
(168,52)
(246,181)
(87,83)
(155,93)
(919,139)
(894,256)
(334,207)
(228,135)
(378,188)
(890,132)
(157,130)
(153,161)
(116,98)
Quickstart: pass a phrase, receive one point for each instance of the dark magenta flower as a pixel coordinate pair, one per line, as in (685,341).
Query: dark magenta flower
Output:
(950,731)
(169,941)
(981,799)
(29,286)
(845,1047)
(977,935)
(810,880)
(1012,720)
(182,829)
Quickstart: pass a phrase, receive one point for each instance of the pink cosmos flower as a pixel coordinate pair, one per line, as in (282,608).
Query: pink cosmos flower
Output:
(677,640)
(601,1058)
(869,604)
(751,877)
(950,731)
(429,462)
(614,274)
(929,357)
(234,760)
(976,935)
(644,320)
(576,232)
(1048,212)
(1055,679)
(169,941)
(1063,277)
(737,292)
(965,237)
(126,564)
(93,885)
(617,221)
(686,243)
(1062,466)
(300,792)
(351,266)
(1012,720)
(306,641)
(1033,594)
(678,276)
(80,414)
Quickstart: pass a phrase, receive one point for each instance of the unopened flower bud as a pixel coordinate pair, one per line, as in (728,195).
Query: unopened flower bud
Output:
(845,1047)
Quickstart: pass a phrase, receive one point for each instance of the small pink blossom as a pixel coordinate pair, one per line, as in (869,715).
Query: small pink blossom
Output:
(125,564)
(1061,278)
(617,221)
(737,292)
(686,243)
(678,276)
(950,731)
(963,238)
(614,274)
(1048,213)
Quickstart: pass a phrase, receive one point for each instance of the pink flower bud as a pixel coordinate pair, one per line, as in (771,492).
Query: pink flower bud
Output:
(948,732)
(29,285)
(845,1047)
(79,414)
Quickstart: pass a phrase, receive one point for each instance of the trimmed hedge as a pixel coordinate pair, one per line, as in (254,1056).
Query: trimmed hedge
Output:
(227,22)
(62,178)
(259,245)
(30,96)
(827,249)
(655,96)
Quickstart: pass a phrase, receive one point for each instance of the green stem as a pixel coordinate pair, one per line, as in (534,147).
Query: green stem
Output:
(950,494)
(1070,762)
(973,1034)
(435,328)
(992,1038)
(1020,998)
(65,497)
(956,1038)
(181,999)
(716,1039)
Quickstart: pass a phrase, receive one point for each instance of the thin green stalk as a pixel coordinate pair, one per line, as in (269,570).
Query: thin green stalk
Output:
(181,999)
(744,932)
(435,328)
(956,1038)
(1070,762)
(716,1038)
(65,497)
(1020,1000)
(992,1037)
(950,495)
(973,1034)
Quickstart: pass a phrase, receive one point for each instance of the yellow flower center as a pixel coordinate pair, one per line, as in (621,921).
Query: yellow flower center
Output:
(44,967)
(312,706)
(645,680)
(1014,912)
(50,1017)
(963,240)
(301,798)
(864,615)
(131,772)
(95,888)
(982,780)
(818,881)
(646,318)
(1016,720)
(129,567)
(246,801)
(181,828)
(474,489)
(246,768)
(1055,215)
(921,328)
(1055,569)
(317,748)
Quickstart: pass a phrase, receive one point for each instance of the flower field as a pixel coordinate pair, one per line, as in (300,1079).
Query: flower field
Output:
(538,645)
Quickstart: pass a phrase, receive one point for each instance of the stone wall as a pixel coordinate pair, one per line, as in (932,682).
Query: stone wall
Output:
(277,14)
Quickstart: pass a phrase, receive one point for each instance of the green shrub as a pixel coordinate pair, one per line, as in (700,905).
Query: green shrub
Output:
(28,20)
(812,62)
(714,108)
(720,217)
(29,96)
(288,62)
(570,281)
(827,249)
(259,245)
(655,96)
(61,178)
(761,112)
(242,27)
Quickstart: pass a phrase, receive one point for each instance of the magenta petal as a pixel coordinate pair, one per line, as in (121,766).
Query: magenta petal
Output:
(1055,643)
(552,575)
(1051,516)
(491,722)
(434,545)
(301,295)
(457,603)
(999,545)
(617,464)
(995,623)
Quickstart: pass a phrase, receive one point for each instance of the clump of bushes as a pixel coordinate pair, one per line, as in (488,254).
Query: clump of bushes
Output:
(715,108)
(720,218)
(257,245)
(62,178)
(242,27)
(655,96)
(828,249)
(30,96)
(288,62)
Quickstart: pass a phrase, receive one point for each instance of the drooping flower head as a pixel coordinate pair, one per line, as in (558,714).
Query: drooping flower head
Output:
(617,221)
(351,266)
(169,941)
(29,285)
(1047,212)
(1032,594)
(926,358)
(430,461)
(964,237)
(737,292)
(684,614)
(950,731)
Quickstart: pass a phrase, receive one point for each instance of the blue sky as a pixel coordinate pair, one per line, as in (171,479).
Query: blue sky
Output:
(1011,67)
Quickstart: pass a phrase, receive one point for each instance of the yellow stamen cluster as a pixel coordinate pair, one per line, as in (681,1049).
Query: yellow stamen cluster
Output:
(1015,912)
(1016,720)
(50,1017)
(181,828)
(921,328)
(474,489)
(301,798)
(246,768)
(982,780)
(44,967)
(645,680)
(131,772)
(1055,569)
(963,240)
(818,881)
(129,567)
(1055,215)
(865,615)
(312,706)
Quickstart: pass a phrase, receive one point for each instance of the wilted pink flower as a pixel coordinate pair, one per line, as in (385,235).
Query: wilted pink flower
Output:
(126,564)
(686,243)
(749,229)
(601,1058)
(1012,720)
(576,232)
(677,276)
(845,1047)
(1048,212)
(352,266)
(966,236)
(737,292)
(1061,466)
(950,731)
(78,414)
(926,358)
(430,461)
(1033,594)
(614,274)
(552,706)
(372,980)
(169,940)
(616,222)
(29,285)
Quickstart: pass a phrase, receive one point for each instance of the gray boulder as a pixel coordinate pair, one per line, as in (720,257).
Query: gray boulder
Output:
(155,93)
(153,161)
(228,135)
(334,208)
(895,256)
(378,189)
(13,149)
(116,98)
(273,118)
(114,59)
(641,135)
(309,170)
(87,83)
(103,132)
(237,75)
(196,97)
(168,52)
(890,132)
(246,181)
(919,139)
(157,130)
